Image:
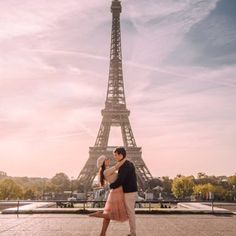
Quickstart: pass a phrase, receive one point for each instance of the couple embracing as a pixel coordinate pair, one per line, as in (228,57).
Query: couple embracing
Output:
(120,204)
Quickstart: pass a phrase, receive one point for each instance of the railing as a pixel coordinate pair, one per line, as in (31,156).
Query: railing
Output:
(90,204)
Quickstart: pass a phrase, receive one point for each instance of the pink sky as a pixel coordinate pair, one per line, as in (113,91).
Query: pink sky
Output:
(181,90)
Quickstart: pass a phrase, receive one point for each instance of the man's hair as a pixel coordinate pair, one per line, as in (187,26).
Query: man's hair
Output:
(120,150)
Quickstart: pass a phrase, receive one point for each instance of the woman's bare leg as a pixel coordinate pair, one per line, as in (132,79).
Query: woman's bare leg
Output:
(98,214)
(105,225)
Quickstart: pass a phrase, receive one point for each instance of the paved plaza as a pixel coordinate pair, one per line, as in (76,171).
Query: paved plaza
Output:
(147,225)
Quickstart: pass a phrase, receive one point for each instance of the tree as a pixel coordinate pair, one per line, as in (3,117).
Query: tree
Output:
(79,187)
(3,174)
(201,175)
(182,186)
(232,181)
(203,178)
(219,193)
(154,182)
(231,193)
(167,184)
(61,182)
(202,191)
(30,194)
(10,190)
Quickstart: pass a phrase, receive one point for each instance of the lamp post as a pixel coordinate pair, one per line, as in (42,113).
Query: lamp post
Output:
(234,192)
(72,178)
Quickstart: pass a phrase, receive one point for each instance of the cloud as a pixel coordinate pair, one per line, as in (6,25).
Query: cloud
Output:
(29,17)
(163,33)
(53,78)
(210,42)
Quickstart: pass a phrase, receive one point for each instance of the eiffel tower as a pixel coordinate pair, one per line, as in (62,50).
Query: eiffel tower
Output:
(115,113)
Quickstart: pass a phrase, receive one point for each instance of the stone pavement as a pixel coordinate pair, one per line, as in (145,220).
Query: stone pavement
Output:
(147,225)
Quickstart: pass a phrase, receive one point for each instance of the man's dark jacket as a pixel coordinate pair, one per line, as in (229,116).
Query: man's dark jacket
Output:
(126,178)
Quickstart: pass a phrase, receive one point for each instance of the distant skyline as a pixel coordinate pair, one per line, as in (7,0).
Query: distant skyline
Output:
(179,65)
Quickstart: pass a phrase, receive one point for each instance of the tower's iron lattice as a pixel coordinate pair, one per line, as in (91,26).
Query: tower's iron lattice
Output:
(115,113)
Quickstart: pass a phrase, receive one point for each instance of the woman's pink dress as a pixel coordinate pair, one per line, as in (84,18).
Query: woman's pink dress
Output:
(115,208)
(115,205)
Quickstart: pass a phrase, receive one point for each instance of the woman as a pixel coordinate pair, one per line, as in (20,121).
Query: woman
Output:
(115,205)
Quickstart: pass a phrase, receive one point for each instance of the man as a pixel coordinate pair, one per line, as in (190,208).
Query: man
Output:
(128,180)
